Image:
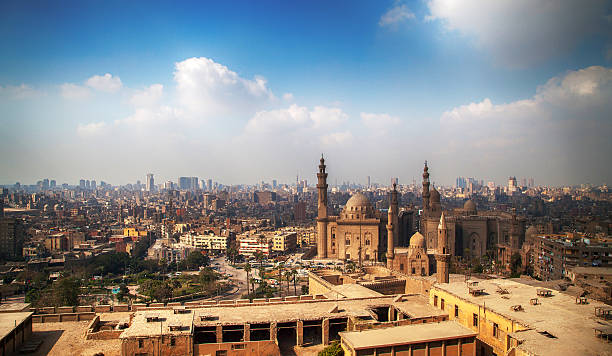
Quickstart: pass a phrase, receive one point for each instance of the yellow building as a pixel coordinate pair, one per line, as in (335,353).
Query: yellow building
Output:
(513,318)
(285,241)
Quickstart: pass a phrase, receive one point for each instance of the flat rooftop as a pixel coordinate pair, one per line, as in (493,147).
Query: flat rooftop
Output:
(14,307)
(414,306)
(406,334)
(571,325)
(8,321)
(163,322)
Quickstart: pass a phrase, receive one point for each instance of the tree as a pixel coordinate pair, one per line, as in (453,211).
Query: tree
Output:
(288,276)
(123,292)
(259,256)
(334,349)
(294,274)
(195,259)
(247,269)
(515,265)
(66,291)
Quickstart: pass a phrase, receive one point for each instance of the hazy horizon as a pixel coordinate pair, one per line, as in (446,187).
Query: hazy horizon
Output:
(243,91)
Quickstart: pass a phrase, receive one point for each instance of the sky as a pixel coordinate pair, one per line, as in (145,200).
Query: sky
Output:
(249,91)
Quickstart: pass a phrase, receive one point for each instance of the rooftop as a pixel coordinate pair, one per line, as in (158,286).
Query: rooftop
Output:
(163,321)
(414,306)
(14,307)
(571,325)
(406,334)
(8,321)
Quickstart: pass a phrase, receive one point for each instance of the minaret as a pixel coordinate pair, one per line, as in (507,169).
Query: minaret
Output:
(442,255)
(322,209)
(392,227)
(425,188)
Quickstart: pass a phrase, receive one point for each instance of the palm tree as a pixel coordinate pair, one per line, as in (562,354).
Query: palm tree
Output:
(288,275)
(294,275)
(247,269)
(280,268)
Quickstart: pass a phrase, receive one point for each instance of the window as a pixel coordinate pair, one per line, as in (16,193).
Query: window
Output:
(347,256)
(495,330)
(456,311)
(172,341)
(367,242)
(238,347)
(348,242)
(412,270)
(435,300)
(442,303)
(401,266)
(475,320)
(140,343)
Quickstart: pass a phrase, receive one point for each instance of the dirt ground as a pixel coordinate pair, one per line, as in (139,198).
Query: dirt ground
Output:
(68,339)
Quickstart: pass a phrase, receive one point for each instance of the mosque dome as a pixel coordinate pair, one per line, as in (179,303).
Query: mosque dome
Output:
(359,203)
(434,196)
(469,206)
(417,240)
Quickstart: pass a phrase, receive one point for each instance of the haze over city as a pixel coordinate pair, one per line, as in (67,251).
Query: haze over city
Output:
(248,91)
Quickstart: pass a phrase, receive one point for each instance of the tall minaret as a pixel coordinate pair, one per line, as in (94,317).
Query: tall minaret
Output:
(392,229)
(442,255)
(425,188)
(322,208)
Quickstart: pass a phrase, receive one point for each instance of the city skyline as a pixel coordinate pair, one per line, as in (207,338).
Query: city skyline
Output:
(243,92)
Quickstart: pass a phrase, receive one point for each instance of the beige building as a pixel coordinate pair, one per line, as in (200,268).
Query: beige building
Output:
(284,241)
(210,242)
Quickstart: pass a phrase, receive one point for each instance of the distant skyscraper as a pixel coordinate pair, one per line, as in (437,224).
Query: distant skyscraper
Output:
(512,185)
(531,183)
(274,183)
(184,183)
(52,184)
(87,184)
(82,183)
(394,180)
(150,183)
(194,183)
(45,184)
(523,182)
(93,185)
(210,185)
(368,181)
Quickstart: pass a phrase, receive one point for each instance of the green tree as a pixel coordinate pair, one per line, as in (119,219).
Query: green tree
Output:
(123,292)
(294,274)
(66,291)
(515,265)
(334,349)
(196,259)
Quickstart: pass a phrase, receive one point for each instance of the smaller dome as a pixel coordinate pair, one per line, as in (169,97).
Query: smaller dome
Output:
(434,196)
(469,206)
(417,240)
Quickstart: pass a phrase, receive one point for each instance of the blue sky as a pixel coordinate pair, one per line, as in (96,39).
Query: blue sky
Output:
(244,91)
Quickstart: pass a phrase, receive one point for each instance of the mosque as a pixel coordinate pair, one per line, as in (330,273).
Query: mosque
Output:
(364,234)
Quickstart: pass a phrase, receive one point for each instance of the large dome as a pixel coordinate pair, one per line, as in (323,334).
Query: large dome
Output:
(469,206)
(417,240)
(358,203)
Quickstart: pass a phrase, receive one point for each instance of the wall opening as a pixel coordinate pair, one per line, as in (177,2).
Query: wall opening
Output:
(205,335)
(233,333)
(260,332)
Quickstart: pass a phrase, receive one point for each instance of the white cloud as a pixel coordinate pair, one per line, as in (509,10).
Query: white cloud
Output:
(94,128)
(106,83)
(565,124)
(519,33)
(288,97)
(380,124)
(211,89)
(337,138)
(294,118)
(395,15)
(148,97)
(22,91)
(74,91)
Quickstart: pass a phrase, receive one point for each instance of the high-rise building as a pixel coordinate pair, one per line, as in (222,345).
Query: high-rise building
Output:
(82,183)
(512,187)
(274,183)
(531,183)
(210,185)
(150,183)
(12,235)
(93,185)
(368,181)
(52,184)
(45,183)
(194,183)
